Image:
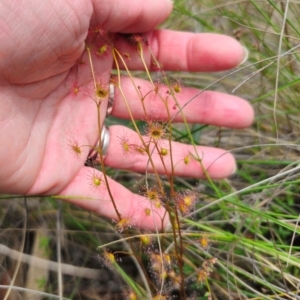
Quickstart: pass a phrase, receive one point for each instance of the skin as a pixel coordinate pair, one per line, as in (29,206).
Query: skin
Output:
(41,42)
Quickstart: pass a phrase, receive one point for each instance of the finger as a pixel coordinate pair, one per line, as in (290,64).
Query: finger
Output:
(207,107)
(135,210)
(125,151)
(130,15)
(184,51)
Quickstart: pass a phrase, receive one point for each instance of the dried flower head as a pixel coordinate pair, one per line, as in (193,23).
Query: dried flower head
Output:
(155,131)
(108,258)
(201,276)
(185,201)
(101,91)
(206,269)
(123,224)
(160,261)
(131,295)
(204,242)
(176,86)
(146,240)
(154,196)
(156,262)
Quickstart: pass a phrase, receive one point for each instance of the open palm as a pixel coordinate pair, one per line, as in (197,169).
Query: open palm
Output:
(41,45)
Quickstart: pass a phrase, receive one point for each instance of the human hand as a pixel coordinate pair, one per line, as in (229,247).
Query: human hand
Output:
(41,120)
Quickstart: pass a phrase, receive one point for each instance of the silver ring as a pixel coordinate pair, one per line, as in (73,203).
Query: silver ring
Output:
(105,138)
(111,98)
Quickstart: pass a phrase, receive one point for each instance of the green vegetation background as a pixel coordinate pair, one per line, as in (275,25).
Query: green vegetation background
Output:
(250,220)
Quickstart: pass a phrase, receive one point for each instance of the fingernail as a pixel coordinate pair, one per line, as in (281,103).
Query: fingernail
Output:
(246,55)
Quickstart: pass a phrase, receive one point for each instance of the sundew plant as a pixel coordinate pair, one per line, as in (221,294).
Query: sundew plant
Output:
(235,238)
